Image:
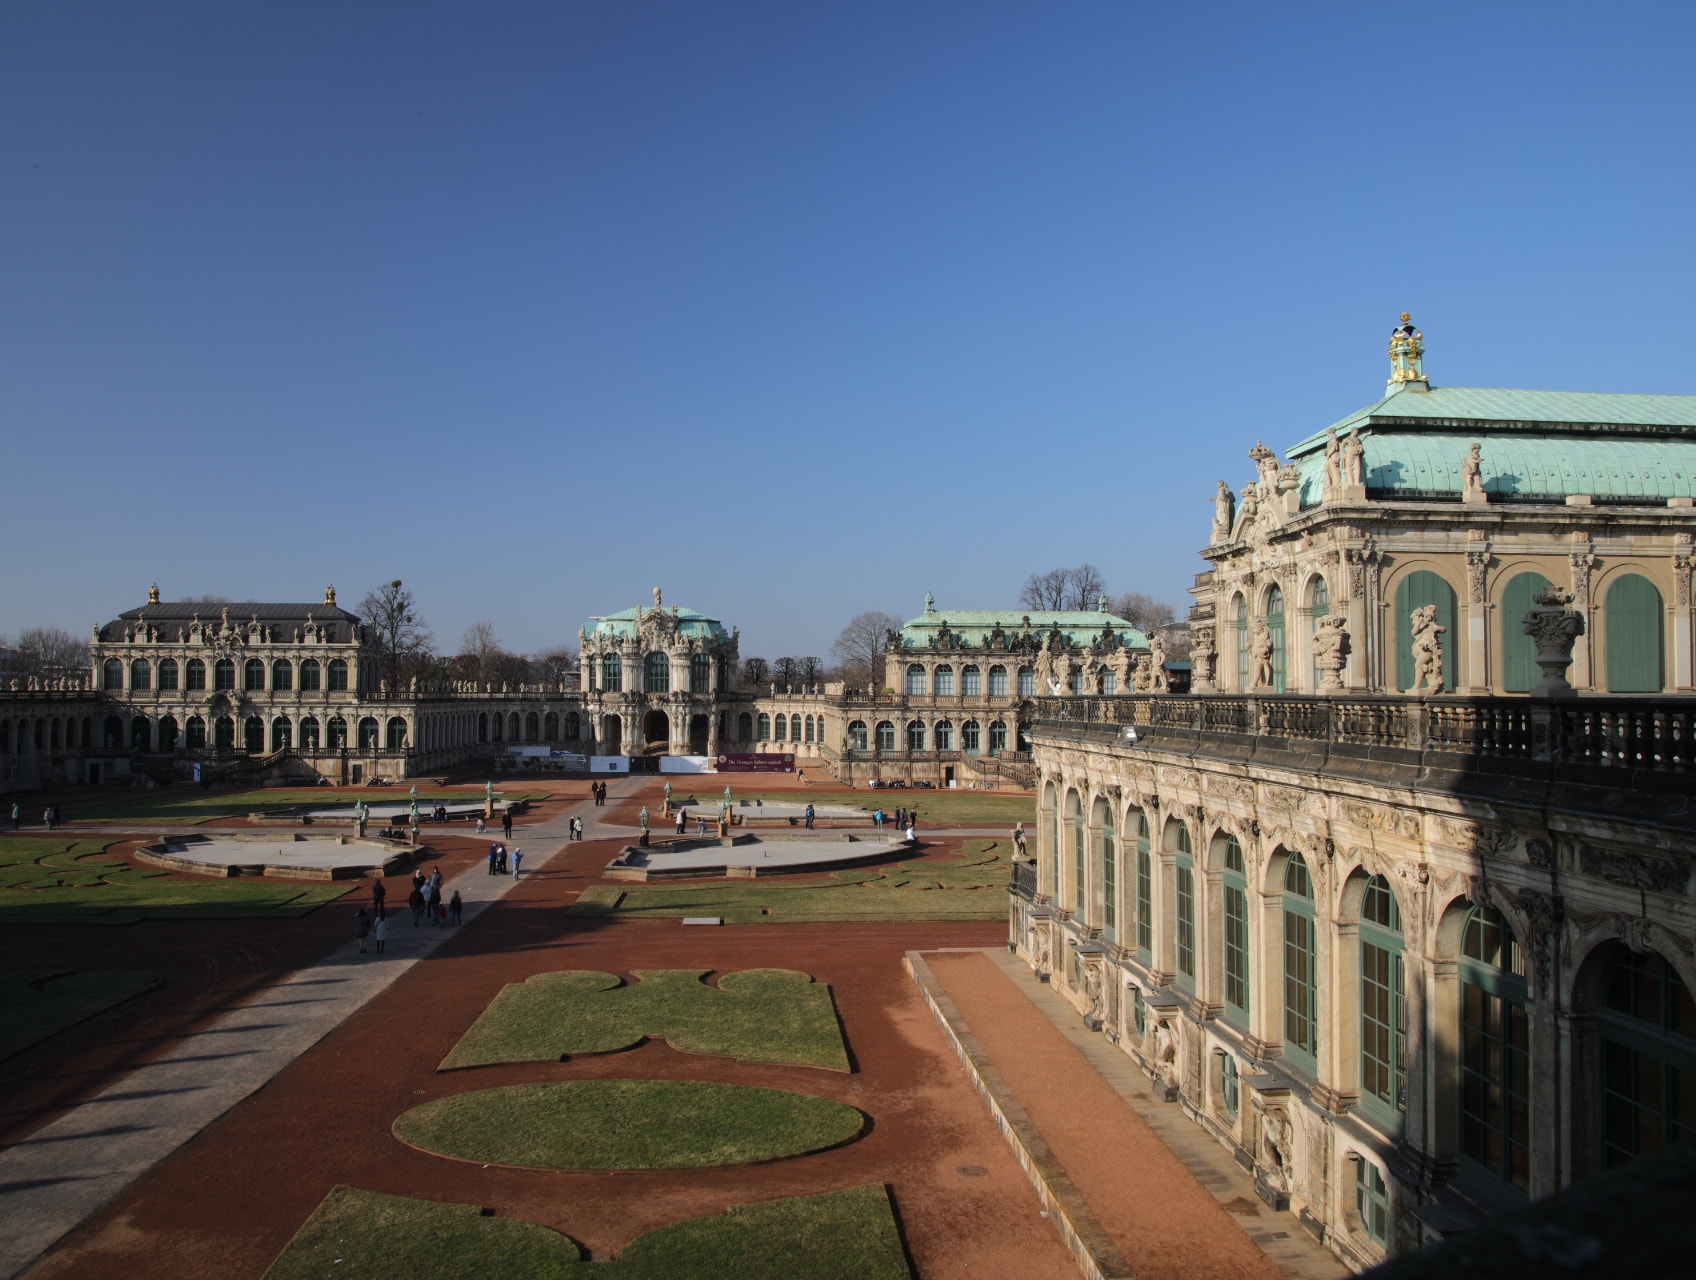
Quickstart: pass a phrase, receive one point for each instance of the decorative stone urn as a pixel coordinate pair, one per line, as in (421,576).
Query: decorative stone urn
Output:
(1554,628)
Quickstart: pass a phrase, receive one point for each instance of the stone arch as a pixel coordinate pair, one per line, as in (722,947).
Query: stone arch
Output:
(1633,626)
(1516,655)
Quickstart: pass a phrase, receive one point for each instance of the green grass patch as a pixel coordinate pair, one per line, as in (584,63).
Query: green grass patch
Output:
(627,1124)
(940,808)
(186,805)
(37,1003)
(840,1235)
(55,881)
(971,887)
(759,1015)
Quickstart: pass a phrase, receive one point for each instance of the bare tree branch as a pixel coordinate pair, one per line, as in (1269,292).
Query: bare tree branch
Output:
(859,649)
(391,612)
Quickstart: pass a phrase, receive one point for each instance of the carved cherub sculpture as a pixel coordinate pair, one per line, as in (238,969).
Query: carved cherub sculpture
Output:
(1427,650)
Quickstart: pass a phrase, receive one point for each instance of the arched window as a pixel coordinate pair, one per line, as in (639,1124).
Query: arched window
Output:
(311,675)
(282,675)
(532,726)
(112,675)
(886,735)
(1109,871)
(700,673)
(1075,843)
(1518,652)
(1633,633)
(1372,1200)
(915,735)
(998,681)
(612,673)
(1027,682)
(338,733)
(224,674)
(971,682)
(1648,1058)
(338,676)
(809,728)
(970,738)
(1301,974)
(113,732)
(253,730)
(167,733)
(944,735)
(550,726)
(656,674)
(224,733)
(997,737)
(168,675)
(745,727)
(1383,1070)
(915,680)
(282,734)
(573,727)
(1138,822)
(1235,885)
(194,675)
(368,733)
(1495,1051)
(944,683)
(141,674)
(254,675)
(196,735)
(483,727)
(1320,595)
(511,727)
(857,735)
(309,734)
(1183,868)
(397,733)
(1280,647)
(1418,589)
(780,732)
(1239,621)
(765,727)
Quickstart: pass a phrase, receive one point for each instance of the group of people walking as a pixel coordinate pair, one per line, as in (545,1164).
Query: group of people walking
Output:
(49,816)
(425,900)
(599,791)
(498,859)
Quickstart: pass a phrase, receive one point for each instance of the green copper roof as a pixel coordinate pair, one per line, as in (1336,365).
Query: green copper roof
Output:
(973,626)
(627,622)
(1454,408)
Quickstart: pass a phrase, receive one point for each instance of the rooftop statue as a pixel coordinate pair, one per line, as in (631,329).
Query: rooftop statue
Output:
(1406,349)
(1354,460)
(1333,463)
(1224,512)
(1472,476)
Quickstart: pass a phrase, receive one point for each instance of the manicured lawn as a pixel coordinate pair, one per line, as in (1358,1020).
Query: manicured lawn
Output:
(840,1235)
(627,1124)
(760,1015)
(180,805)
(37,1003)
(940,808)
(45,881)
(972,887)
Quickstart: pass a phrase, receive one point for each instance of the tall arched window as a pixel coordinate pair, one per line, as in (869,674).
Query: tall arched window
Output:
(253,731)
(497,726)
(998,681)
(141,674)
(311,675)
(1280,646)
(483,727)
(1239,622)
(1418,589)
(656,674)
(810,730)
(1109,871)
(224,674)
(254,675)
(944,683)
(112,733)
(532,726)
(1183,868)
(1075,842)
(886,735)
(971,681)
(511,726)
(612,673)
(1145,888)
(915,680)
(338,733)
(1301,972)
(1518,652)
(1320,595)
(1495,1052)
(338,675)
(1648,1058)
(397,733)
(857,735)
(550,726)
(167,734)
(309,734)
(1051,809)
(782,731)
(700,673)
(282,734)
(1235,885)
(915,735)
(971,738)
(765,727)
(167,675)
(282,674)
(944,735)
(745,727)
(194,675)
(997,737)
(1027,682)
(224,733)
(1383,1019)
(112,674)
(1633,626)
(195,736)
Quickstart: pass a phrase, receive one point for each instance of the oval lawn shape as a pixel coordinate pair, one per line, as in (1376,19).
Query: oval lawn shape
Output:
(627,1124)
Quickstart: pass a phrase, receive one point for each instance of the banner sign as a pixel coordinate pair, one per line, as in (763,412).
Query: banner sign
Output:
(755,762)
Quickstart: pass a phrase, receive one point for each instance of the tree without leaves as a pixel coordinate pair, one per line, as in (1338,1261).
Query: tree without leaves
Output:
(557,665)
(46,653)
(755,672)
(859,649)
(1063,590)
(1143,611)
(402,640)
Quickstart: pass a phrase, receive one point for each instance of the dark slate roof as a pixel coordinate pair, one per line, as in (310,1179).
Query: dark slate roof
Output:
(172,620)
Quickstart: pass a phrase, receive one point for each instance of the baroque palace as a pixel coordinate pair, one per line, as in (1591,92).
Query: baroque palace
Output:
(1397,903)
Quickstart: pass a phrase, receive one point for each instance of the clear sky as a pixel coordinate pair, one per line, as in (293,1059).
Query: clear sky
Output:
(794,309)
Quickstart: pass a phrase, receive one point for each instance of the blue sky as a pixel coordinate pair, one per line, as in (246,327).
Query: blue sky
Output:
(793,309)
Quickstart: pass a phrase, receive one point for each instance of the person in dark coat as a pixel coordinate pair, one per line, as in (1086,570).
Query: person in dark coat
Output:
(362,928)
(455,906)
(378,893)
(506,825)
(416,902)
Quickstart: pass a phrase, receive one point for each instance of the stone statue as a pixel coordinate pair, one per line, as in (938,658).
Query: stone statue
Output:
(1333,463)
(1260,650)
(1092,990)
(1266,462)
(930,602)
(1144,674)
(1123,667)
(1249,512)
(1354,460)
(1554,628)
(656,597)
(1472,476)
(1331,651)
(1224,512)
(1427,650)
(1166,1053)
(1157,662)
(1275,1147)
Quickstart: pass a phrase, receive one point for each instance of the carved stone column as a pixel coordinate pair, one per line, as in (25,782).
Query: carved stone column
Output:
(1478,675)
(1583,560)
(1683,634)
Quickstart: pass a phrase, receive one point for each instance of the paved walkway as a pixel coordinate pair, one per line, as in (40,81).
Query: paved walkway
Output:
(65,1172)
(1167,1196)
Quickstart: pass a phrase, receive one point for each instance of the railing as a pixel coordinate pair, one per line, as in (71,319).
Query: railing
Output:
(1024,880)
(1636,733)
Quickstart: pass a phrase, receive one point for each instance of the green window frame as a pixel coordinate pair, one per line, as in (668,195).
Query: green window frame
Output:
(167,675)
(944,681)
(1320,595)
(1633,620)
(1301,974)
(656,673)
(1109,875)
(1418,589)
(1027,682)
(253,678)
(1053,801)
(1145,891)
(700,673)
(1648,1059)
(1139,1011)
(311,675)
(971,737)
(1495,1056)
(1235,885)
(282,675)
(1372,1201)
(1383,1008)
(998,681)
(1184,900)
(1230,1085)
(224,674)
(971,682)
(338,675)
(612,673)
(194,675)
(1280,637)
(1239,617)
(1080,871)
(915,680)
(141,675)
(885,735)
(1518,661)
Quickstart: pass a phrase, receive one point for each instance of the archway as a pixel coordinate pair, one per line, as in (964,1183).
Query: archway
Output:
(698,735)
(612,736)
(656,733)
